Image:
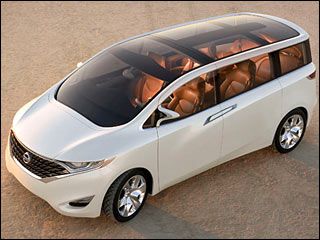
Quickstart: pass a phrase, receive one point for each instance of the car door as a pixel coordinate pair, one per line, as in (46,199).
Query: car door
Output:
(254,97)
(191,143)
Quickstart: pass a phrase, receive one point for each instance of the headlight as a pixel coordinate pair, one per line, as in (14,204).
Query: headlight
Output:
(85,166)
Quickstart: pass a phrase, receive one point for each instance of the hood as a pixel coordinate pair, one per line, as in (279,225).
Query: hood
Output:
(54,132)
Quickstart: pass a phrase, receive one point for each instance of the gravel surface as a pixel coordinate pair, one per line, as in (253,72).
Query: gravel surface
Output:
(261,195)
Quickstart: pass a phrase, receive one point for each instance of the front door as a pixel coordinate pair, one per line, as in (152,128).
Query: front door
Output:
(192,143)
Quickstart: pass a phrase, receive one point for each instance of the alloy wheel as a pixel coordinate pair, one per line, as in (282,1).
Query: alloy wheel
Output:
(291,131)
(131,195)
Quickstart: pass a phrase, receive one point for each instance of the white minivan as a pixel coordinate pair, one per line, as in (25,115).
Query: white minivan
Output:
(161,107)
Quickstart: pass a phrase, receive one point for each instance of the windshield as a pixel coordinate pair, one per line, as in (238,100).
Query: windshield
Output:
(112,88)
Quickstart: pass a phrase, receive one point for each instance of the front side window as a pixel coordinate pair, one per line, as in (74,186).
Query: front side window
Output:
(193,97)
(292,58)
(241,77)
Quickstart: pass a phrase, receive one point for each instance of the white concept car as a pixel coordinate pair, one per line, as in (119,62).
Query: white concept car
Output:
(161,107)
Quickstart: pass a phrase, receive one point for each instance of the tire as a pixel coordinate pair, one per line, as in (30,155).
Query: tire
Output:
(116,192)
(297,131)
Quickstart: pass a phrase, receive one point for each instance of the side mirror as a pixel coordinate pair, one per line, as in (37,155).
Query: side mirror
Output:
(79,64)
(169,114)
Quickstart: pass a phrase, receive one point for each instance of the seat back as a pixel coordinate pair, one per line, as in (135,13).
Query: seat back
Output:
(290,58)
(238,80)
(187,99)
(147,85)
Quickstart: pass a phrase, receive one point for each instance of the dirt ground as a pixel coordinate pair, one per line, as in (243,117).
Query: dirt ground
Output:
(260,195)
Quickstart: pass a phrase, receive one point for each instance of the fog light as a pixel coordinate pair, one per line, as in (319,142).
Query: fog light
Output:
(81,202)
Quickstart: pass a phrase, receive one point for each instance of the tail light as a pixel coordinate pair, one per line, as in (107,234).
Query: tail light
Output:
(312,75)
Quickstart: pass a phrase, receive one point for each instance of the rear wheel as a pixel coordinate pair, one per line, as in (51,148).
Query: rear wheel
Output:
(126,196)
(290,131)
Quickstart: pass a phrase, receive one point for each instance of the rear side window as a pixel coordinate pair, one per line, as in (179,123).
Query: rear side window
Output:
(294,57)
(243,76)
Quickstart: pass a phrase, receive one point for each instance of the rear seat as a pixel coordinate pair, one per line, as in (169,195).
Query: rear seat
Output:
(238,80)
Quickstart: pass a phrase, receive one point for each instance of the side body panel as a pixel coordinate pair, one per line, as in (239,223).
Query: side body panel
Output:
(252,124)
(188,146)
(298,90)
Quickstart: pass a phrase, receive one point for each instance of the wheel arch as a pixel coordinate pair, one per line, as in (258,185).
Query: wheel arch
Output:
(148,175)
(303,109)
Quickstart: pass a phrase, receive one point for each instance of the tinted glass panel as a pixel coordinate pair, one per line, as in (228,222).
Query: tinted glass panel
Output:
(292,58)
(195,96)
(241,77)
(114,87)
(226,36)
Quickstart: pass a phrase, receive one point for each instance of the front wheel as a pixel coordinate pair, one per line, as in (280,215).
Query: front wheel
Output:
(290,131)
(126,196)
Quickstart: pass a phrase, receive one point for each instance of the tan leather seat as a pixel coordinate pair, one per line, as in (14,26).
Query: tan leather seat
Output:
(237,46)
(263,72)
(238,80)
(210,51)
(267,37)
(187,99)
(263,69)
(148,86)
(161,60)
(179,64)
(290,58)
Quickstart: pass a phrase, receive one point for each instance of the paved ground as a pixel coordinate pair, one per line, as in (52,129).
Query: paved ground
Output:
(261,195)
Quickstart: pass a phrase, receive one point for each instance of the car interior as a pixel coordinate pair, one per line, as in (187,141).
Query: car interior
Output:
(148,86)
(115,86)
(232,80)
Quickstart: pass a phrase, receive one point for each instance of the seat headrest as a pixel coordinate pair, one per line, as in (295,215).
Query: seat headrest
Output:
(194,84)
(247,66)
(267,38)
(158,59)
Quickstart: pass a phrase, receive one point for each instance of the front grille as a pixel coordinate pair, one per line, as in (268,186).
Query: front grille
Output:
(38,166)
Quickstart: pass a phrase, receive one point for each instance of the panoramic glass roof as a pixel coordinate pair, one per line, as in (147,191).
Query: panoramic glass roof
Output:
(226,36)
(113,87)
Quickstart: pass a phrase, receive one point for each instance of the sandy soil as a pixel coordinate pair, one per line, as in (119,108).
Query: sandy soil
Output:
(261,195)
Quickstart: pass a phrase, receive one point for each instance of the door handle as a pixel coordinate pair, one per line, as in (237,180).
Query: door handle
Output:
(219,114)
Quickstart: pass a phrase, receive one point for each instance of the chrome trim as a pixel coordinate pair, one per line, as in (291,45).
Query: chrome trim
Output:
(38,155)
(50,179)
(131,195)
(219,114)
(24,169)
(291,131)
(26,158)
(169,115)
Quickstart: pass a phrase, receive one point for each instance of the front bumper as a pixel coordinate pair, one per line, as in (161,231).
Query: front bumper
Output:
(61,191)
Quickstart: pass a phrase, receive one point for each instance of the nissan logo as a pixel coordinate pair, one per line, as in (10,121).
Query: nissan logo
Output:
(26,158)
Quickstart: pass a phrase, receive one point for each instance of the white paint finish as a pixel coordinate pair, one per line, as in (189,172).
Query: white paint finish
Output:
(58,193)
(187,145)
(298,90)
(142,116)
(252,124)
